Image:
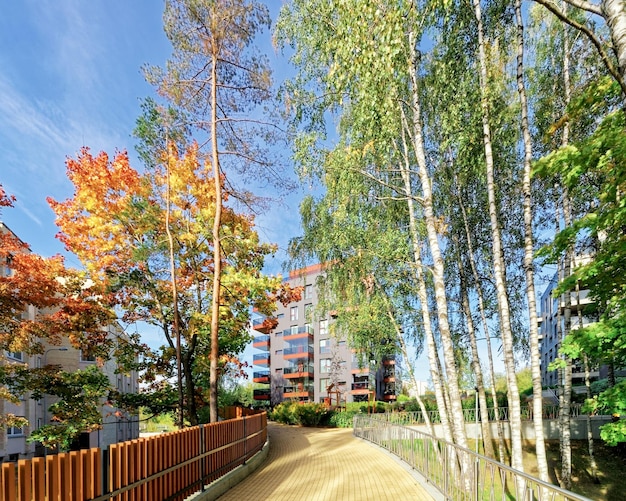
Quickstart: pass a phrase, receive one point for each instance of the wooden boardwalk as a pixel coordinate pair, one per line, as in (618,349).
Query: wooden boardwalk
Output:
(326,464)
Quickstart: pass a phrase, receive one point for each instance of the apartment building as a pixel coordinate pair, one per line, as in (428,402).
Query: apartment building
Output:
(116,425)
(552,324)
(301,360)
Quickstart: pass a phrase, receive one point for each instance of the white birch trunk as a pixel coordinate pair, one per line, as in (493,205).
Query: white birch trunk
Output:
(483,316)
(422,294)
(478,373)
(456,409)
(498,261)
(614,12)
(535,357)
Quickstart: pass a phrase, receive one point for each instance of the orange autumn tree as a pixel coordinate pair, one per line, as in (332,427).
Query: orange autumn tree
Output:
(127,228)
(41,303)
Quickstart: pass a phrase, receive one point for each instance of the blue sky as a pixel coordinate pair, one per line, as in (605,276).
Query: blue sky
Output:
(71,77)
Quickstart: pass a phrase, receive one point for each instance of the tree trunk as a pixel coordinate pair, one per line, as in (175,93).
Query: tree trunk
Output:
(535,357)
(614,12)
(456,409)
(566,382)
(422,294)
(217,254)
(478,373)
(566,371)
(483,316)
(498,261)
(170,241)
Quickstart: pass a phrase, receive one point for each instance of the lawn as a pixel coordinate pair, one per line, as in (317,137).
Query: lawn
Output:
(611,463)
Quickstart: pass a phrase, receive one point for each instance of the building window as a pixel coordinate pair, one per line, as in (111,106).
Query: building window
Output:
(324,345)
(324,383)
(14,431)
(85,356)
(325,365)
(308,291)
(323,327)
(15,355)
(294,329)
(308,311)
(278,353)
(341,343)
(293,313)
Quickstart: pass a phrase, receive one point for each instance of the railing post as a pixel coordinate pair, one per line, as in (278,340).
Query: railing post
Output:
(203,461)
(245,441)
(477,477)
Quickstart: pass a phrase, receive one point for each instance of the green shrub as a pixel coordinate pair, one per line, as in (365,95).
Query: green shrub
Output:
(342,419)
(284,413)
(311,414)
(300,414)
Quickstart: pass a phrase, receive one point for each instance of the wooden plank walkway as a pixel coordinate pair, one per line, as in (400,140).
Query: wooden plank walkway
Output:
(326,464)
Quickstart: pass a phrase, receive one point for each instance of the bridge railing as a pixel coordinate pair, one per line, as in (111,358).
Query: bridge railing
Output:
(169,466)
(417,417)
(458,473)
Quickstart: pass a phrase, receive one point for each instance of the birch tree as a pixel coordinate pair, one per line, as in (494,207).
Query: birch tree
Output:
(369,71)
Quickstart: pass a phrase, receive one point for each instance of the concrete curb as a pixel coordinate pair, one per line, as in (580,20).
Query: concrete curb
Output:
(215,489)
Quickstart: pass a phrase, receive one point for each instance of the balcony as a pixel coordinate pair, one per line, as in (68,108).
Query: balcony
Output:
(359,370)
(262,359)
(264,325)
(261,342)
(295,372)
(291,352)
(261,377)
(303,331)
(299,391)
(261,394)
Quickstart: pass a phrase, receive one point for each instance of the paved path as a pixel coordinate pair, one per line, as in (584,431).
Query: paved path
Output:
(326,464)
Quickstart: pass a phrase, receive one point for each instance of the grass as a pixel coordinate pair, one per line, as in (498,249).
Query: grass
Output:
(611,461)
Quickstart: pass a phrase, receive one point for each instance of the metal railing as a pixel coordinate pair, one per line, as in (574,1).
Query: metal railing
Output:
(417,417)
(458,473)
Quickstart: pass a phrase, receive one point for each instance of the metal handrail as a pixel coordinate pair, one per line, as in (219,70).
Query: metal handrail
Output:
(457,472)
(417,417)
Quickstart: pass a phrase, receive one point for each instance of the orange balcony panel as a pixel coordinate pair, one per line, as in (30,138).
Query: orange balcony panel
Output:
(261,397)
(298,394)
(262,362)
(389,362)
(390,379)
(388,398)
(298,375)
(360,392)
(364,370)
(299,335)
(263,379)
(261,345)
(301,354)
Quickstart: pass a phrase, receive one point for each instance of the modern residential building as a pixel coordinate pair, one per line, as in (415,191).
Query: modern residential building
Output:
(117,426)
(552,323)
(299,359)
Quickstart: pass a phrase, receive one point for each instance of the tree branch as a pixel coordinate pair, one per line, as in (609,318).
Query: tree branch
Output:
(548,4)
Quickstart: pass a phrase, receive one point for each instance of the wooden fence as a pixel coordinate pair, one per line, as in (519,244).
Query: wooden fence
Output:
(170,466)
